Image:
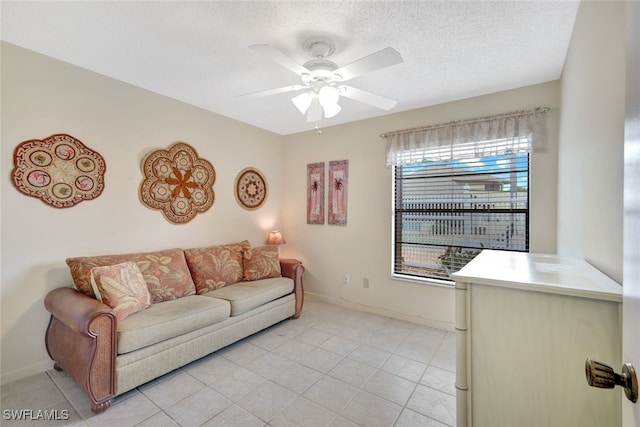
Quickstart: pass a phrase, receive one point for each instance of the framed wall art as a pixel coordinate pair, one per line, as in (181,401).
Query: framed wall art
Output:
(315,193)
(178,183)
(59,170)
(338,191)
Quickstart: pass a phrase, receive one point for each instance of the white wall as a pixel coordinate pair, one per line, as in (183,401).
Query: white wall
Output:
(362,248)
(42,96)
(590,158)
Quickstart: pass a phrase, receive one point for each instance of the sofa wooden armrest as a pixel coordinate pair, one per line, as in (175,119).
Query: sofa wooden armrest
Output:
(81,339)
(293,269)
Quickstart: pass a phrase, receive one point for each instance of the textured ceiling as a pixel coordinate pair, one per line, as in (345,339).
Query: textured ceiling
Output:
(197,52)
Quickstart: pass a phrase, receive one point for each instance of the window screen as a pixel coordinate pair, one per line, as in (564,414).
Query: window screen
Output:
(446,212)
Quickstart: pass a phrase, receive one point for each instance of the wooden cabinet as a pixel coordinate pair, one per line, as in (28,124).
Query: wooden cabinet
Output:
(525,325)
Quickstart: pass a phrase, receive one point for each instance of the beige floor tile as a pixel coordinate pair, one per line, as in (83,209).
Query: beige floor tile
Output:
(369,355)
(35,392)
(266,401)
(269,365)
(404,367)
(241,353)
(303,413)
(238,384)
(331,393)
(211,370)
(339,346)
(370,410)
(320,360)
(125,413)
(409,418)
(391,387)
(434,404)
(440,379)
(159,420)
(172,390)
(352,372)
(197,408)
(293,349)
(235,416)
(327,368)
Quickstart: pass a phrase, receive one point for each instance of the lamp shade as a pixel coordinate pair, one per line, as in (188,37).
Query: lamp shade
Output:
(302,102)
(329,97)
(275,238)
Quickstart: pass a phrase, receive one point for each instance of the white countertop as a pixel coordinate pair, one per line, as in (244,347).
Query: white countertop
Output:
(539,273)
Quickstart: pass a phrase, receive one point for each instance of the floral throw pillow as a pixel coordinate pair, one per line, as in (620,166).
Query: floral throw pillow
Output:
(166,272)
(121,287)
(214,267)
(261,263)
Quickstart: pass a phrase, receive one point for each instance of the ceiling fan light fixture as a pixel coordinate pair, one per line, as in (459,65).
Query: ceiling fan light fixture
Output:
(329,97)
(302,102)
(331,110)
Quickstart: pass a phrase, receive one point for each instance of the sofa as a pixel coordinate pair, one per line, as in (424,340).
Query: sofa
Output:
(131,318)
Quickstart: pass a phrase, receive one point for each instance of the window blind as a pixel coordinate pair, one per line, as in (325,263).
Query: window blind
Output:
(447,211)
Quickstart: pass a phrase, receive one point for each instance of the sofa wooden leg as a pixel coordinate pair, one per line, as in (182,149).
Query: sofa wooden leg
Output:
(101,407)
(57,367)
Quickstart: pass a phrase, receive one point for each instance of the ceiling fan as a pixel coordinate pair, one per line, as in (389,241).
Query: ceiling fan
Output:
(322,80)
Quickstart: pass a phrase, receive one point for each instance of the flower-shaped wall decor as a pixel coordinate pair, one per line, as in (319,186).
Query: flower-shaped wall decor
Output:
(59,170)
(178,183)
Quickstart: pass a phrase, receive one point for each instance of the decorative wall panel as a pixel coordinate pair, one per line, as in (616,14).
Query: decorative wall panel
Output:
(315,193)
(338,191)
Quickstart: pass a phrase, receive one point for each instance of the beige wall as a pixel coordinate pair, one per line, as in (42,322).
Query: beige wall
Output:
(591,139)
(40,97)
(362,248)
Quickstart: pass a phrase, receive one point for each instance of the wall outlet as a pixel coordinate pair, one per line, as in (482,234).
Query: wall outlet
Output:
(365,282)
(346,278)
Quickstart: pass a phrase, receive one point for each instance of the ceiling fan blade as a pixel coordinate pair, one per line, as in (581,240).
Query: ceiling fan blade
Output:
(275,91)
(381,59)
(367,97)
(275,55)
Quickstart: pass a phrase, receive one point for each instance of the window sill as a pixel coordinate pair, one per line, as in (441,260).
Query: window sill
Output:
(423,280)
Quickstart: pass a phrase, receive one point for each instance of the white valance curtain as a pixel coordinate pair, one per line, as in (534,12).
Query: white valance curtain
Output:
(516,132)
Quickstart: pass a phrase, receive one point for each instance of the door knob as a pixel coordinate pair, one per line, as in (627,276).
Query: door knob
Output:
(602,376)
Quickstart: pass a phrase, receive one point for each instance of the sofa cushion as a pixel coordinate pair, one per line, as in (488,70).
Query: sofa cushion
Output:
(246,296)
(214,267)
(165,272)
(121,287)
(261,263)
(169,319)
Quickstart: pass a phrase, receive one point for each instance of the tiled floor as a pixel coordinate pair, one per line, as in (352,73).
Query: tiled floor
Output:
(330,367)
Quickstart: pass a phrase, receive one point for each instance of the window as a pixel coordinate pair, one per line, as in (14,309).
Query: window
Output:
(447,211)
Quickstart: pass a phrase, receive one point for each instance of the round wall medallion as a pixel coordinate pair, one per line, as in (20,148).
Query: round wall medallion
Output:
(251,189)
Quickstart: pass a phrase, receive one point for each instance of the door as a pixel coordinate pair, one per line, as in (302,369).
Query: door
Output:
(631,261)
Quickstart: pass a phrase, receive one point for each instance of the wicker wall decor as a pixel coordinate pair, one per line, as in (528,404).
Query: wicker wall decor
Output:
(59,170)
(178,183)
(251,189)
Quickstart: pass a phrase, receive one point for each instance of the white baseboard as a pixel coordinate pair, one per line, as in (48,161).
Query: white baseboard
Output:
(19,374)
(431,323)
